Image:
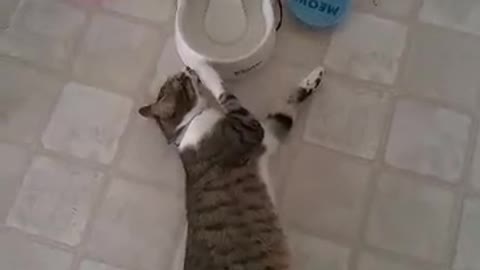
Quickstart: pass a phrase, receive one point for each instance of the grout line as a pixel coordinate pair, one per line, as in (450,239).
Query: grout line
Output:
(343,155)
(42,240)
(461,193)
(37,142)
(113,169)
(378,12)
(456,214)
(454,229)
(97,166)
(36,148)
(361,83)
(395,90)
(439,103)
(80,250)
(98,259)
(395,256)
(134,19)
(421,178)
(327,236)
(78,43)
(367,203)
(379,162)
(100,9)
(289,150)
(29,64)
(472,194)
(416,9)
(402,65)
(372,186)
(381,166)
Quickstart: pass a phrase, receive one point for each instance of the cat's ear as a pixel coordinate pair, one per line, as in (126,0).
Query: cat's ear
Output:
(146,111)
(164,110)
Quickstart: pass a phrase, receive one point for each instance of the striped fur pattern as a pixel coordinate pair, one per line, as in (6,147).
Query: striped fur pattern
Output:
(232,222)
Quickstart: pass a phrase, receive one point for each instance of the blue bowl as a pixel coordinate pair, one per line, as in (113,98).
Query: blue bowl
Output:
(320,13)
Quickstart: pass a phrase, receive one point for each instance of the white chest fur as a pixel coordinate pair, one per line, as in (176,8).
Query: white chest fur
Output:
(200,126)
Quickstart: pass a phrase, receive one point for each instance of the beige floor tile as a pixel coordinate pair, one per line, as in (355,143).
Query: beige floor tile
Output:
(26,98)
(55,200)
(388,7)
(7,9)
(312,253)
(428,139)
(148,155)
(157,11)
(368,48)
(117,54)
(17,253)
(410,217)
(435,69)
(299,45)
(136,227)
(267,88)
(324,192)
(372,262)
(469,240)
(87,123)
(463,15)
(73,71)
(168,64)
(91,265)
(13,164)
(43,32)
(348,118)
(475,174)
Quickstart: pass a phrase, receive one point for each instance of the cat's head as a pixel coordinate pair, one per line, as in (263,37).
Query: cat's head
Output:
(178,101)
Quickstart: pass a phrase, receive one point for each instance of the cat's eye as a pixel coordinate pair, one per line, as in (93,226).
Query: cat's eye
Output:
(161,94)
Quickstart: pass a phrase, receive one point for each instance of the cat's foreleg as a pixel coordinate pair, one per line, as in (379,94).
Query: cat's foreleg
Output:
(280,121)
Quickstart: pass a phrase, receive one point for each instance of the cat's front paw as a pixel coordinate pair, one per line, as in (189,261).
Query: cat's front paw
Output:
(313,80)
(192,74)
(308,85)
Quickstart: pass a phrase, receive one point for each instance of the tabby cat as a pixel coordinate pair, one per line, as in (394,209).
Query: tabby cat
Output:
(232,222)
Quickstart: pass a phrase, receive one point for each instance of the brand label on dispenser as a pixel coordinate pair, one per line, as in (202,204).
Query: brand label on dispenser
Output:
(248,69)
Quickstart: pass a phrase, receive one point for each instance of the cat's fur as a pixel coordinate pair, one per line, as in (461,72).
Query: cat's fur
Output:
(232,222)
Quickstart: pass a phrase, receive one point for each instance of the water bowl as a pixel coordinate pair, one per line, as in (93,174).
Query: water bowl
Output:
(201,37)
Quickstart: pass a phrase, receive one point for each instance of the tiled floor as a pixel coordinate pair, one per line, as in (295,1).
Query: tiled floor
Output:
(382,171)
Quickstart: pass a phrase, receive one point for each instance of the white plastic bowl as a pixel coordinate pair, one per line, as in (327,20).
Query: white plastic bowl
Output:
(231,60)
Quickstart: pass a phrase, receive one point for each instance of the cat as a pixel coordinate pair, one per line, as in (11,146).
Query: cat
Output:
(232,221)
